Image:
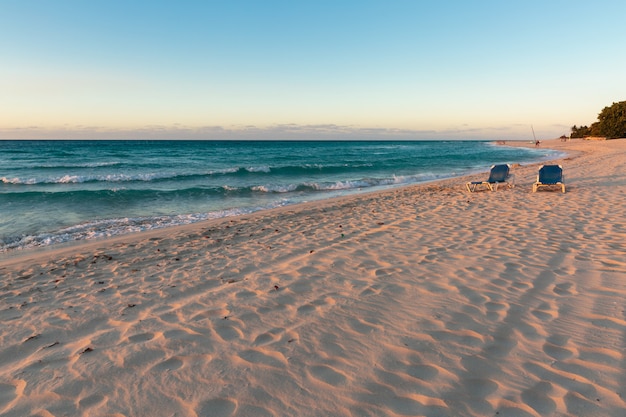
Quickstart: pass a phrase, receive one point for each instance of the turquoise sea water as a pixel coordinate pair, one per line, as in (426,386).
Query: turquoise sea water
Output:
(59,191)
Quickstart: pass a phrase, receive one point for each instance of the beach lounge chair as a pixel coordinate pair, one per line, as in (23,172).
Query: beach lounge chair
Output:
(550,176)
(499,175)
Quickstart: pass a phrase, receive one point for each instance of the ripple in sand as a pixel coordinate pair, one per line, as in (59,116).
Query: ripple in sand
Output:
(610,323)
(602,356)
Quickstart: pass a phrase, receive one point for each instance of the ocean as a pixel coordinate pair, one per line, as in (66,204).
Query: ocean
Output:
(60,191)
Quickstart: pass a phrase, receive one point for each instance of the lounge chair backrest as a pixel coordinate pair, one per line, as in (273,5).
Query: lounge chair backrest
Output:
(499,173)
(550,174)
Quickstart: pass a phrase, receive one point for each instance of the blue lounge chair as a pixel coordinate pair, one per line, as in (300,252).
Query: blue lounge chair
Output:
(499,175)
(550,176)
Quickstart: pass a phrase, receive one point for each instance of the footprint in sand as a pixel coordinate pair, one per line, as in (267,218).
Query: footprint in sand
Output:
(496,311)
(251,410)
(92,401)
(538,399)
(555,347)
(269,337)
(306,309)
(504,342)
(217,407)
(566,271)
(385,272)
(545,312)
(170,364)
(480,387)
(360,326)
(315,305)
(246,294)
(429,258)
(9,392)
(264,339)
(328,375)
(258,357)
(145,358)
(208,314)
(557,352)
(477,365)
(474,297)
(521,285)
(423,372)
(464,338)
(566,288)
(228,332)
(142,337)
(371,290)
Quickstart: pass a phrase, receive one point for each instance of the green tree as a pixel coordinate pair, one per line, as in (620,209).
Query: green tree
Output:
(612,121)
(580,132)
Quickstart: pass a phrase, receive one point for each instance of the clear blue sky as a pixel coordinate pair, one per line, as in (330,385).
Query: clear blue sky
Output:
(317,69)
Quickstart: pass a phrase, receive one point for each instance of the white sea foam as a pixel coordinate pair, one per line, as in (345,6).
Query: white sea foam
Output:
(275,188)
(223,171)
(116,227)
(259,169)
(6,180)
(79,179)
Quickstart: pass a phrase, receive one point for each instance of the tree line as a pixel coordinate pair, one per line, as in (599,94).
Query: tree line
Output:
(611,123)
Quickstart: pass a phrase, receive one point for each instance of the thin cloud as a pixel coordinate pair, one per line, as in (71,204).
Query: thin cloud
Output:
(288,131)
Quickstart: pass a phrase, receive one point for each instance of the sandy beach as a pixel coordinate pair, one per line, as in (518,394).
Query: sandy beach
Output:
(419,301)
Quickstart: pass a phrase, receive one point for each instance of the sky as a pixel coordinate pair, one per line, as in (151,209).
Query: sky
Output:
(314,69)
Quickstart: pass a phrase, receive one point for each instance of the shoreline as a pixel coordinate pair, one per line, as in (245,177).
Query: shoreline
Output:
(107,209)
(418,300)
(57,249)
